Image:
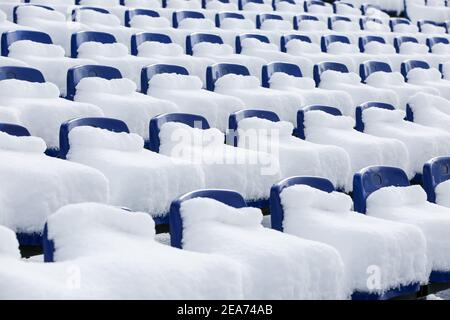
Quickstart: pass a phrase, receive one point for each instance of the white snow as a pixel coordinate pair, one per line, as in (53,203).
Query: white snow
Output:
(409,205)
(274,265)
(431,111)
(430,78)
(443,194)
(398,250)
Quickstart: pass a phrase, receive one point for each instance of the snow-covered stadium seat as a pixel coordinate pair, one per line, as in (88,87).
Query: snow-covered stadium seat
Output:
(436,173)
(342,24)
(384,192)
(422,142)
(441,44)
(139,179)
(432,27)
(429,110)
(253,172)
(254,5)
(318,7)
(36,185)
(234,230)
(272,22)
(309,207)
(402,25)
(345,8)
(173,83)
(263,131)
(326,125)
(104,87)
(373,25)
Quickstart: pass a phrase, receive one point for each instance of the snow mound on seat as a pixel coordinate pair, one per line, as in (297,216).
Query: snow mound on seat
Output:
(253,43)
(13,88)
(272,24)
(422,75)
(173,131)
(207,48)
(196,24)
(142,21)
(409,205)
(38,49)
(399,250)
(342,48)
(375,47)
(432,29)
(413,48)
(237,81)
(431,110)
(443,193)
(149,48)
(441,48)
(274,265)
(296,45)
(113,86)
(95,17)
(236,24)
(9,246)
(173,81)
(21,144)
(36,12)
(312,25)
(336,76)
(281,79)
(111,50)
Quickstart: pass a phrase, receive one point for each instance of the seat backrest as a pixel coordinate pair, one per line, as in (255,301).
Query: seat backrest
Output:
(269,69)
(395,21)
(368,67)
(178,16)
(223,15)
(148,72)
(192,120)
(308,3)
(230,198)
(194,38)
(130,13)
(76,11)
(408,65)
(139,38)
(435,171)
(242,3)
(363,22)
(297,19)
(300,130)
(435,40)
(327,65)
(363,41)
(398,41)
(214,72)
(326,40)
(276,207)
(371,179)
(333,19)
(423,22)
(235,117)
(21,73)
(240,38)
(114,125)
(286,38)
(16,8)
(79,38)
(366,105)
(75,74)
(14,130)
(260,18)
(366,6)
(9,37)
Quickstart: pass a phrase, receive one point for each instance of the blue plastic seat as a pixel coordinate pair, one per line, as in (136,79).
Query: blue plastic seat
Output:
(29,4)
(368,67)
(157,122)
(300,130)
(148,72)
(395,21)
(178,16)
(205,2)
(111,124)
(366,6)
(14,130)
(79,38)
(96,9)
(336,3)
(241,38)
(276,2)
(309,3)
(218,70)
(435,171)
(242,3)
(194,38)
(286,38)
(421,23)
(398,41)
(366,105)
(326,40)
(364,40)
(269,69)
(327,65)
(230,198)
(9,37)
(75,74)
(260,18)
(21,73)
(130,13)
(435,40)
(235,117)
(139,38)
(333,19)
(220,16)
(299,18)
(408,65)
(363,21)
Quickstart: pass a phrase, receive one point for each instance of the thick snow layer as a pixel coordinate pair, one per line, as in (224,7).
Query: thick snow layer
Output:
(430,78)
(237,24)
(270,53)
(378,48)
(440,48)
(173,53)
(364,149)
(53,23)
(311,95)
(39,108)
(116,55)
(416,10)
(431,111)
(395,82)
(443,193)
(423,143)
(409,205)
(397,250)
(35,185)
(187,93)
(247,88)
(49,59)
(248,172)
(274,265)
(388,5)
(139,179)
(118,99)
(96,243)
(224,53)
(296,156)
(360,93)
